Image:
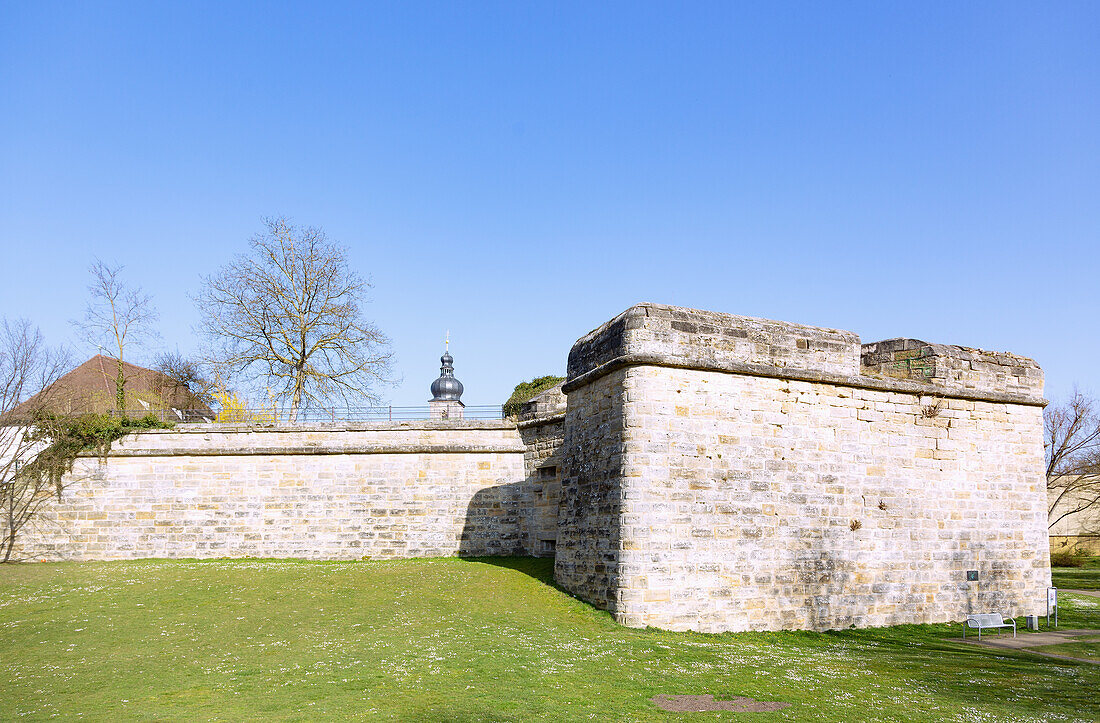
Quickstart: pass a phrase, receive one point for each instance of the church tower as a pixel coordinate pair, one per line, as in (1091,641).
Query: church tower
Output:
(446,401)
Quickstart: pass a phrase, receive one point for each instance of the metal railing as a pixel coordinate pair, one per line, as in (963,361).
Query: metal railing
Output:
(331,415)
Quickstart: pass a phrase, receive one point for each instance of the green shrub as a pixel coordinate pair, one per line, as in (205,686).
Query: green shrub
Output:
(67,437)
(524,391)
(1068,558)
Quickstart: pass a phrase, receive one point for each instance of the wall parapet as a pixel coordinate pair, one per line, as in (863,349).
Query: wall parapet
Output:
(708,337)
(542,421)
(615,346)
(298,450)
(340,426)
(370,438)
(957,368)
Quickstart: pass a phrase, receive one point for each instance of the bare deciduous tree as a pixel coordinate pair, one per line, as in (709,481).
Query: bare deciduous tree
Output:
(117,314)
(186,373)
(1073,457)
(290,315)
(27,366)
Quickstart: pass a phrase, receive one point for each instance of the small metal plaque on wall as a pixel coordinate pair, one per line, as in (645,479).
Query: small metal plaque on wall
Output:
(971,575)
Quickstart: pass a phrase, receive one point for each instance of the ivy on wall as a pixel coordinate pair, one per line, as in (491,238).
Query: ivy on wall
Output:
(524,391)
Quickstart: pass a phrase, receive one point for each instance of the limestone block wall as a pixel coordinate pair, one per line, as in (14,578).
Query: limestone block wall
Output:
(733,495)
(1075,531)
(395,490)
(542,428)
(542,467)
(590,515)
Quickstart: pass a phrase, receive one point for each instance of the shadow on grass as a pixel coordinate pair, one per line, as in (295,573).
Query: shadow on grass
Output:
(901,655)
(966,672)
(539,568)
(1080,578)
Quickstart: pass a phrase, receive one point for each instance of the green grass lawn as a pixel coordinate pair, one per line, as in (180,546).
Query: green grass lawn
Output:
(458,640)
(1089,649)
(1078,578)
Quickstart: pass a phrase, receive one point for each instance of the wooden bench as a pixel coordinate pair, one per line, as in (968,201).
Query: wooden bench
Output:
(983,621)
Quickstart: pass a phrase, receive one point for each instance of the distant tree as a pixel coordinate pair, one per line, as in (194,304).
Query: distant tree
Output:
(27,366)
(525,391)
(182,372)
(1072,448)
(289,314)
(117,316)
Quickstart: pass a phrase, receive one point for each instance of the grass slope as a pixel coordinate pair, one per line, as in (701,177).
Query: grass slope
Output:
(458,640)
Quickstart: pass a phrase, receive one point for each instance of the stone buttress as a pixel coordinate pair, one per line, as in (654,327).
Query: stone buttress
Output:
(724,473)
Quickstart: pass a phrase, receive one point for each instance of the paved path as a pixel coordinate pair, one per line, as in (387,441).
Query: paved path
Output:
(1093,593)
(1029,642)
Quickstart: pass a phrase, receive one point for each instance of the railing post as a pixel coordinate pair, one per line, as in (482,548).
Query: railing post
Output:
(391,412)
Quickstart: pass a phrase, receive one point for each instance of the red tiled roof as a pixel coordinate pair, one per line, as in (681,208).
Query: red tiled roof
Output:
(90,388)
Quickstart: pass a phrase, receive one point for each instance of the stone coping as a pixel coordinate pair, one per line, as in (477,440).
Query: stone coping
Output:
(425,424)
(503,447)
(234,440)
(703,336)
(953,351)
(539,421)
(802,375)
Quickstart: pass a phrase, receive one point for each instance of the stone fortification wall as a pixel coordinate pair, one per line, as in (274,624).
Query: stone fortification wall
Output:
(542,428)
(1073,532)
(696,471)
(724,473)
(373,490)
(590,516)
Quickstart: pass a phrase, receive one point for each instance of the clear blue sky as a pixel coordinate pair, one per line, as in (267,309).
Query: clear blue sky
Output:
(519,173)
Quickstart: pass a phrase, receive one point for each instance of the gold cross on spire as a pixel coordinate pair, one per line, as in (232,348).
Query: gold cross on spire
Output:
(447,341)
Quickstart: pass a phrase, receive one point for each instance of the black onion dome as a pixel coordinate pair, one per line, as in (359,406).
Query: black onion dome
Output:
(446,388)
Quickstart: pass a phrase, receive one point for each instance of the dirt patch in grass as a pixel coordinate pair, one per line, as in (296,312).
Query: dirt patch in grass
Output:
(703,703)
